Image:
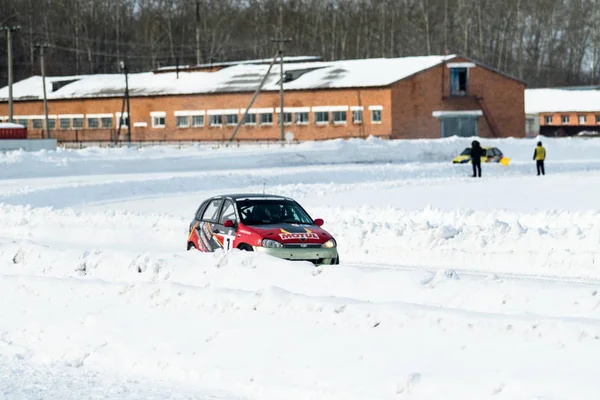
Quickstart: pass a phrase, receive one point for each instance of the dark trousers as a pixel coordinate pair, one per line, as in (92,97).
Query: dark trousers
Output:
(540,167)
(476,168)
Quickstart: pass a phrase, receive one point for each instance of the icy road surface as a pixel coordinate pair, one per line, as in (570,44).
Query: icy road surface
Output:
(450,287)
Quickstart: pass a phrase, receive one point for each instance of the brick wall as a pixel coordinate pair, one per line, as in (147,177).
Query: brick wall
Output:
(414,99)
(590,119)
(141,107)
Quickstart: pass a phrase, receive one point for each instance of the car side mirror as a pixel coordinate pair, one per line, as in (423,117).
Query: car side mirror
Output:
(319,222)
(228,223)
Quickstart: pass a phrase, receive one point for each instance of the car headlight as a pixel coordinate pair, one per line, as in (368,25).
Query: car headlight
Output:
(330,244)
(271,243)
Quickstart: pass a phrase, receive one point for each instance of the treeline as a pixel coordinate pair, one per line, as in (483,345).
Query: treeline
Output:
(544,42)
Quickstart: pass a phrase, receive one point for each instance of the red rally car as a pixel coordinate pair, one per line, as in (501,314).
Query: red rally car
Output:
(275,225)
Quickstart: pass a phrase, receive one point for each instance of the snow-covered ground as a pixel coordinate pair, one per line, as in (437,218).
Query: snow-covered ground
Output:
(449,287)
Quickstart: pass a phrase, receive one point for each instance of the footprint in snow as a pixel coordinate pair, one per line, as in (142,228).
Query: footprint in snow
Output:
(409,383)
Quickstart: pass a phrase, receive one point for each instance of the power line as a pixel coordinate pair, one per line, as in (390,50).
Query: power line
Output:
(190,47)
(146,57)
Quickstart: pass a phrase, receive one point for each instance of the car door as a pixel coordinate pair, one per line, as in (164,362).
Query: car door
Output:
(226,235)
(206,235)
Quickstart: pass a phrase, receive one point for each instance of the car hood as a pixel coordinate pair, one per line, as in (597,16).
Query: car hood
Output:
(291,233)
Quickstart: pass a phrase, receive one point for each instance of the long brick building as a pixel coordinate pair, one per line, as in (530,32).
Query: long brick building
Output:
(410,97)
(564,111)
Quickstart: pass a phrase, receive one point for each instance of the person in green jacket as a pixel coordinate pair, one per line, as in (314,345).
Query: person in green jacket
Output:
(539,155)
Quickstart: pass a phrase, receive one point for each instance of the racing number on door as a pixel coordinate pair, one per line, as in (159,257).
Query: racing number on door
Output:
(228,241)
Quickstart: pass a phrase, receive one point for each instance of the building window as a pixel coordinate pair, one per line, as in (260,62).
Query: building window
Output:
(376,116)
(182,122)
(339,117)
(51,124)
(37,123)
(302,118)
(598,119)
(458,81)
(357,116)
(65,123)
(564,119)
(266,119)
(198,121)
(215,120)
(23,122)
(287,118)
(548,119)
(321,117)
(107,123)
(158,122)
(93,123)
(582,120)
(77,123)
(231,119)
(250,119)
(123,120)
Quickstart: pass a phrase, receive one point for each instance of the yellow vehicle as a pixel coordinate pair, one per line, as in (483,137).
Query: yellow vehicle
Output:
(492,154)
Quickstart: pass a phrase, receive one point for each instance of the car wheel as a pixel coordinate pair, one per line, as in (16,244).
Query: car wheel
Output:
(245,247)
(336,260)
(191,246)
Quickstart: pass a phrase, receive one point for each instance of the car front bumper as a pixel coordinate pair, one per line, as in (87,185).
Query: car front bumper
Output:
(316,255)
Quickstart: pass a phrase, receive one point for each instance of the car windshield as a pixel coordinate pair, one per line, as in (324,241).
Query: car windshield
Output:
(466,152)
(267,212)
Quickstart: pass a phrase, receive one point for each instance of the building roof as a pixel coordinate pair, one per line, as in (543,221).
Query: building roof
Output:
(218,65)
(377,72)
(561,100)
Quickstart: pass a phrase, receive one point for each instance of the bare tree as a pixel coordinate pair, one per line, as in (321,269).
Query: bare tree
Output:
(545,42)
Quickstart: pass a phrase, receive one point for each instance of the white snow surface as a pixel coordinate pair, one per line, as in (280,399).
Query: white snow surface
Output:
(561,100)
(239,78)
(449,287)
(9,125)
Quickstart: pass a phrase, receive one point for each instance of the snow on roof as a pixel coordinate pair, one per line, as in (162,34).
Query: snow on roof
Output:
(561,100)
(9,125)
(286,60)
(239,78)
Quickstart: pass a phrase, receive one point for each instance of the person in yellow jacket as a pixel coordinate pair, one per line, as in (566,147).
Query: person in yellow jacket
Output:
(539,155)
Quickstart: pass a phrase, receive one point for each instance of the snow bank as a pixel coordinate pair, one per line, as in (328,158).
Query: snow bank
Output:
(550,243)
(94,161)
(266,328)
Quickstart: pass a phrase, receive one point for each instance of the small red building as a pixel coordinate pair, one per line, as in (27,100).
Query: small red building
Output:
(12,131)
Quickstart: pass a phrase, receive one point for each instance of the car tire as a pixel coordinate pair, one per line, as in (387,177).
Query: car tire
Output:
(191,246)
(245,247)
(336,261)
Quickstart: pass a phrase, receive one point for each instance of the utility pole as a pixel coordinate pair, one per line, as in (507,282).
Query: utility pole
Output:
(9,30)
(128,108)
(42,46)
(197,32)
(256,93)
(125,100)
(281,40)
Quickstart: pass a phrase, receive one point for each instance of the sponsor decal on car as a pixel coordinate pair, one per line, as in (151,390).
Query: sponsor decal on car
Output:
(205,243)
(302,236)
(201,246)
(207,230)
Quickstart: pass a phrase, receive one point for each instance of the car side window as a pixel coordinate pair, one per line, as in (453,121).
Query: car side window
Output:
(200,210)
(490,153)
(228,213)
(212,211)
